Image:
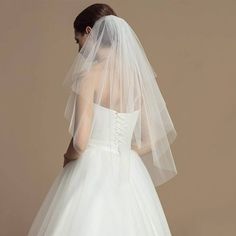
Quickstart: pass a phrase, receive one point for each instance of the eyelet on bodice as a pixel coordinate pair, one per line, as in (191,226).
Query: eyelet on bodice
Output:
(121,131)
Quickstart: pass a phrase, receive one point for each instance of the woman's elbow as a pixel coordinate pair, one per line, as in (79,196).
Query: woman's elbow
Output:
(80,145)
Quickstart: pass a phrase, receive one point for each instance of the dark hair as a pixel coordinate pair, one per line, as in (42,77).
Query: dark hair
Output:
(90,15)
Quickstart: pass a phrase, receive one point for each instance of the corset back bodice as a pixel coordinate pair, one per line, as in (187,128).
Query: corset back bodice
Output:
(112,129)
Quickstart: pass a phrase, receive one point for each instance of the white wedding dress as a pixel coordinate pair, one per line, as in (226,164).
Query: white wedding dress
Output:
(85,199)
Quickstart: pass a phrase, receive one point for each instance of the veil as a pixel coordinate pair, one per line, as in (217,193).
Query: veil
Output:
(111,70)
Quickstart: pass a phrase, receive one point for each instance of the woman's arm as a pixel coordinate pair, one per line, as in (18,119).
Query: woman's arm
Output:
(71,154)
(141,151)
(79,142)
(83,118)
(144,149)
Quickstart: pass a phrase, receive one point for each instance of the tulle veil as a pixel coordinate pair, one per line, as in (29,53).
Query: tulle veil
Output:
(113,71)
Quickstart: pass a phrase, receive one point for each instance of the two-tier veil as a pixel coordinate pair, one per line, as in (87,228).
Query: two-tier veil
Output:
(112,70)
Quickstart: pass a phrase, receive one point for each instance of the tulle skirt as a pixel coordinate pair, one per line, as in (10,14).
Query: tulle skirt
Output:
(84,201)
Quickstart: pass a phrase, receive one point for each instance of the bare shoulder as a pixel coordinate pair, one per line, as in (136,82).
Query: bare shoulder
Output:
(95,73)
(90,80)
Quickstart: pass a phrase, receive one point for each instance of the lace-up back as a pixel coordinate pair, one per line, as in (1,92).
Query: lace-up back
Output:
(113,129)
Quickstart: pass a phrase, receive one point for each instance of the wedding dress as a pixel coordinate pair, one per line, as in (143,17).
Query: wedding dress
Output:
(87,197)
(117,110)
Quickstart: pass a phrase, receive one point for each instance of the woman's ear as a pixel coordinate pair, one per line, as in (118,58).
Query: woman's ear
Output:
(88,29)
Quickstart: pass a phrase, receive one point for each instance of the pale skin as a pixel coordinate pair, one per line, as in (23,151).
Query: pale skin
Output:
(70,152)
(80,39)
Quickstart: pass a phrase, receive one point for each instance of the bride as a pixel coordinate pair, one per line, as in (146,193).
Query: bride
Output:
(121,133)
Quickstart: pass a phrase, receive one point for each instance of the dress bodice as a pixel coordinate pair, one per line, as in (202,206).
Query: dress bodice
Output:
(113,129)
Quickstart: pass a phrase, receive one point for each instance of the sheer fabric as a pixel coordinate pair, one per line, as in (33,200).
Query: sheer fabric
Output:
(112,70)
